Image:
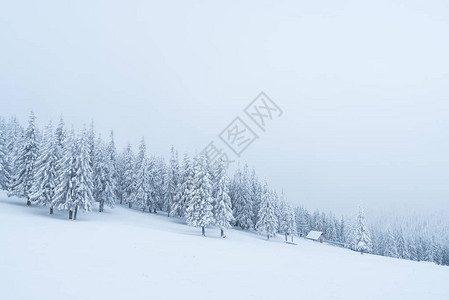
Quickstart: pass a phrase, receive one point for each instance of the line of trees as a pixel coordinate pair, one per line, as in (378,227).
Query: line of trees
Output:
(73,171)
(410,239)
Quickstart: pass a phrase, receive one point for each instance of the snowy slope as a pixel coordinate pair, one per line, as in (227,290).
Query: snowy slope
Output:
(127,254)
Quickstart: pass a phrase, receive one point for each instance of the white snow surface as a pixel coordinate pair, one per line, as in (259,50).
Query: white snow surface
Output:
(126,254)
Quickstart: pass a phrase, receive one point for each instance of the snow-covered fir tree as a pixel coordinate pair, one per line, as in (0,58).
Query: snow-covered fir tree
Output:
(172,178)
(155,184)
(428,247)
(127,175)
(267,218)
(302,221)
(138,164)
(330,229)
(120,168)
(241,199)
(159,195)
(255,190)
(82,197)
(287,220)
(90,140)
(199,209)
(436,251)
(401,244)
(60,144)
(222,207)
(103,180)
(140,182)
(14,134)
(361,236)
(24,166)
(65,192)
(46,175)
(182,196)
(4,168)
(142,185)
(60,135)
(111,154)
(341,232)
(390,245)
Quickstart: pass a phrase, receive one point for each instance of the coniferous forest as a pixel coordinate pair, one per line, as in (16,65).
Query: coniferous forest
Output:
(79,171)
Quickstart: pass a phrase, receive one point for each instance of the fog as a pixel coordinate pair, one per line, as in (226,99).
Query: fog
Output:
(363,87)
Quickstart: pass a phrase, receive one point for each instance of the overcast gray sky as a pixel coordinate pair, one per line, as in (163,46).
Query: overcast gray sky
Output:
(363,86)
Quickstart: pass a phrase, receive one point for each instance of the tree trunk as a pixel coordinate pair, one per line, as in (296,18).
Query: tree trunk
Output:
(268,236)
(70,214)
(51,210)
(203,231)
(292,238)
(121,199)
(286,238)
(28,202)
(222,233)
(130,205)
(76,212)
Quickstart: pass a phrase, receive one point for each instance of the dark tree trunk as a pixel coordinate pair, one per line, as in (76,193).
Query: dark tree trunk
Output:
(76,212)
(130,205)
(28,202)
(51,210)
(268,236)
(286,238)
(154,211)
(121,199)
(70,214)
(222,232)
(203,231)
(292,238)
